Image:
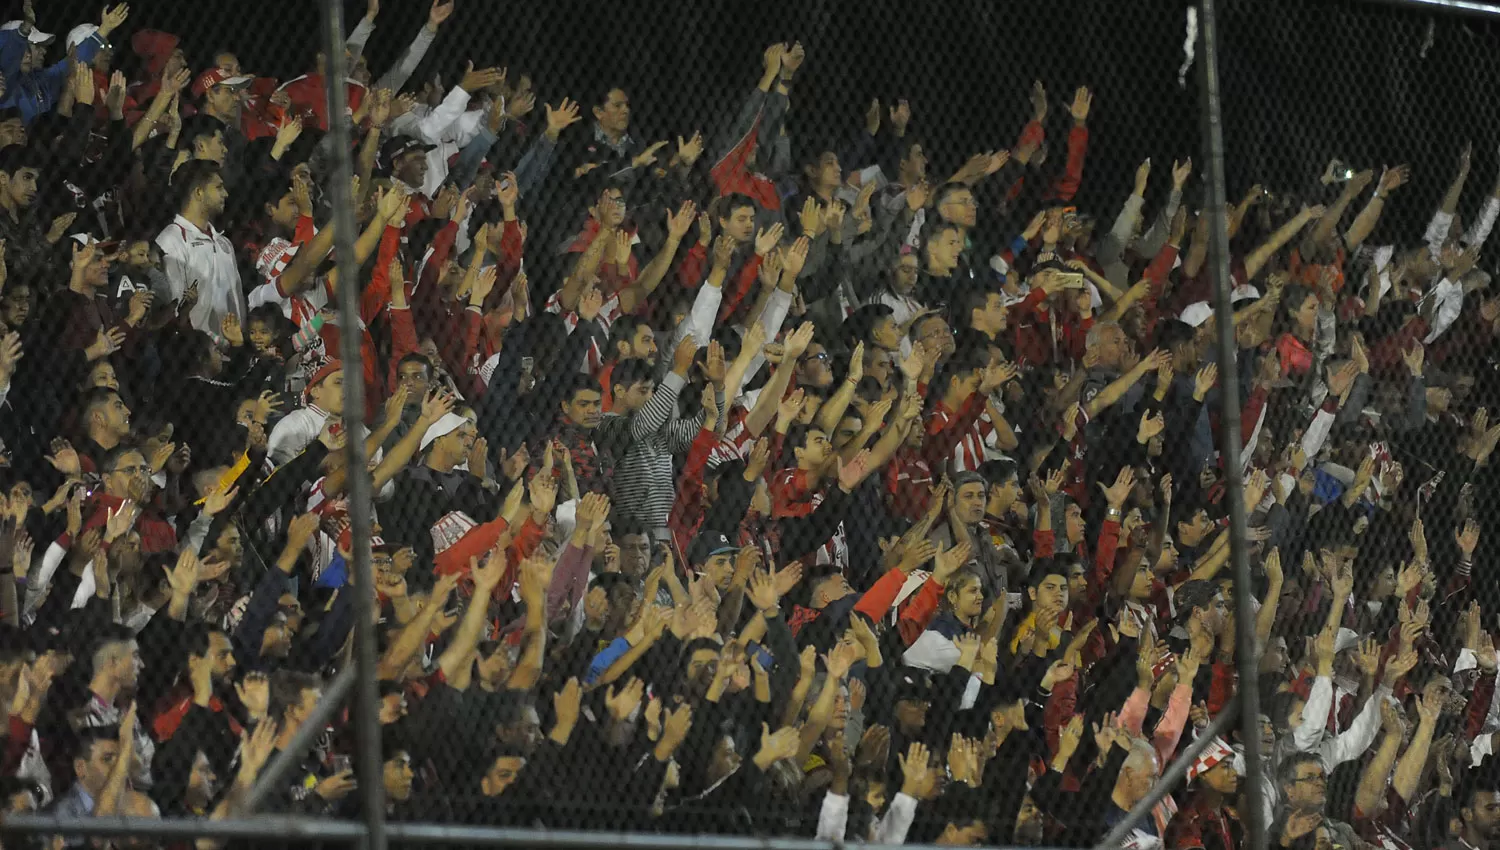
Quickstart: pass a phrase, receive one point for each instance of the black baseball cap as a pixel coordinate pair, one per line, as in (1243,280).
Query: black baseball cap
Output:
(913,685)
(708,544)
(398,146)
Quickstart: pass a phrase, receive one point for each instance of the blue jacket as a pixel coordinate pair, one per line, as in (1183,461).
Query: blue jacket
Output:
(35,92)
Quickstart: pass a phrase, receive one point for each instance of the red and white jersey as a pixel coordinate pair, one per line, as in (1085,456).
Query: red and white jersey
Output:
(301,307)
(607,316)
(736,442)
(792,497)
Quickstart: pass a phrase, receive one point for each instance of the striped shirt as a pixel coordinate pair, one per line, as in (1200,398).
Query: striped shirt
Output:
(645,484)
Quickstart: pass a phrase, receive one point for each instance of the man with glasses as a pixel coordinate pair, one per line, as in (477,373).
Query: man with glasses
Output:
(1304,784)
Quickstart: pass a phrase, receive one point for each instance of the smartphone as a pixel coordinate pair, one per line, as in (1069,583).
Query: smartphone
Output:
(527,365)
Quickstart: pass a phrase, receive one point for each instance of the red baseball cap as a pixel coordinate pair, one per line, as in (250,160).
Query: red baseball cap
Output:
(217,77)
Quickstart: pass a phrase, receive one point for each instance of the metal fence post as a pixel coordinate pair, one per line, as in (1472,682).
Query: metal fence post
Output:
(366,719)
(1246,652)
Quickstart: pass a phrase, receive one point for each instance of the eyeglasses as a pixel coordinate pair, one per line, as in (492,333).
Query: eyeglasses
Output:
(1317,778)
(131,470)
(822,355)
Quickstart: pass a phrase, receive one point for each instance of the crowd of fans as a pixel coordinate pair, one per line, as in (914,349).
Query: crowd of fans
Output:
(912,528)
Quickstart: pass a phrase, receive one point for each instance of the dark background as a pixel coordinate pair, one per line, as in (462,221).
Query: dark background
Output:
(1304,80)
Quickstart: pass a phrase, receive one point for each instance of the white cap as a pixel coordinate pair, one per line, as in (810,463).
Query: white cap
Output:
(79,33)
(1196,314)
(36,37)
(1242,293)
(443,427)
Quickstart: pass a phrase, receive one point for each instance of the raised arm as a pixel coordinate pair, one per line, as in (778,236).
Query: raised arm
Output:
(1364,223)
(1278,240)
(651,276)
(415,633)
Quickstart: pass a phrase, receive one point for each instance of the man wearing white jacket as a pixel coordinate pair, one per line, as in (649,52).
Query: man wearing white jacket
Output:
(1308,721)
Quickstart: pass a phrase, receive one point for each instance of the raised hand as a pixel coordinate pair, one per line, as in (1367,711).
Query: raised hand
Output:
(623,703)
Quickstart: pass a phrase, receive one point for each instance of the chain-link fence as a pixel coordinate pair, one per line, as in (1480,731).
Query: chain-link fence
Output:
(773,425)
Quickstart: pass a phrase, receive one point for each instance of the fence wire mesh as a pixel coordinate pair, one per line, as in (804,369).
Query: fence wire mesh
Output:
(792,420)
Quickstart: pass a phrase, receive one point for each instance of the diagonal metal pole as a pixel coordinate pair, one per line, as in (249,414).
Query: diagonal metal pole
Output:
(366,694)
(1458,7)
(1246,653)
(1174,774)
(275,774)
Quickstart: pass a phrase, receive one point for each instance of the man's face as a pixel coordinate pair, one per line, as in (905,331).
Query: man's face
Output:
(959,207)
(969,503)
(614,115)
(501,775)
(992,318)
(1004,497)
(456,444)
(411,168)
(33,58)
(1051,593)
(12,132)
(827,172)
(93,770)
(1195,529)
(1308,788)
(584,409)
(130,665)
(1141,583)
(934,331)
(740,225)
(222,99)
(702,665)
(610,210)
(644,344)
(1073,524)
(417,379)
(1078,581)
(911,714)
(848,428)
(634,397)
(814,365)
(635,554)
(719,569)
(229,546)
(20,187)
(943,251)
(283,213)
(816,452)
(328,395)
(904,276)
(103,376)
(1222,778)
(213,195)
(1214,615)
(1483,815)
(914,166)
(221,652)
(1111,348)
(202,783)
(398,775)
(129,478)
